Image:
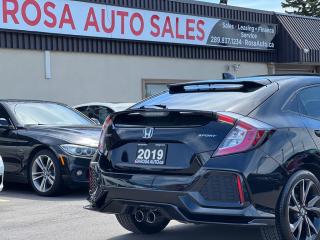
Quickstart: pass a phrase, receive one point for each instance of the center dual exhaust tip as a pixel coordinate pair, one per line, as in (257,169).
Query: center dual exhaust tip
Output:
(139,216)
(151,217)
(148,216)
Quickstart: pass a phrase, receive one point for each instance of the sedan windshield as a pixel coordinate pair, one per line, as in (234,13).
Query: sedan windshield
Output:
(47,114)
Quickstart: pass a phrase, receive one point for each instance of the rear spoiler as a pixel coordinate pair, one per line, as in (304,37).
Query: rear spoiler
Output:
(162,117)
(216,86)
(159,112)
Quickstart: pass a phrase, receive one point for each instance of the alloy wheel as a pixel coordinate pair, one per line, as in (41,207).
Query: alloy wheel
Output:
(43,173)
(304,210)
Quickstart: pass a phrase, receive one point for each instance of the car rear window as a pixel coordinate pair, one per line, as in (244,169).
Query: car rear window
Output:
(310,102)
(233,101)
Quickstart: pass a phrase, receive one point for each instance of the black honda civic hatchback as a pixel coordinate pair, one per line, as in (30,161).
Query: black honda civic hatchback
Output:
(46,144)
(242,152)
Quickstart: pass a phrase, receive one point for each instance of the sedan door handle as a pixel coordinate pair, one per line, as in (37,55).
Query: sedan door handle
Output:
(317,132)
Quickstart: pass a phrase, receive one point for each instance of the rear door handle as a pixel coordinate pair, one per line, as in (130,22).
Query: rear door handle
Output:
(317,132)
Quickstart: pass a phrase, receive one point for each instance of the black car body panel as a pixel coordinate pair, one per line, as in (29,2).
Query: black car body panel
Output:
(210,192)
(19,144)
(181,157)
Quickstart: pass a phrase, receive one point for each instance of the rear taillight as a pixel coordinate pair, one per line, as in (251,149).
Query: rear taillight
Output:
(226,119)
(102,143)
(246,134)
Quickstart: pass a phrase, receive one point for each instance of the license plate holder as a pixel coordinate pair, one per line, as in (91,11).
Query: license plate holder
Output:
(153,154)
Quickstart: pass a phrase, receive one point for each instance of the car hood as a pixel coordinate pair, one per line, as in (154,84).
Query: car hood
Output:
(80,135)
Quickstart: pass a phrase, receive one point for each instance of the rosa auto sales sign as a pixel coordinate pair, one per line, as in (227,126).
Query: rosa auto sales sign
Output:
(104,21)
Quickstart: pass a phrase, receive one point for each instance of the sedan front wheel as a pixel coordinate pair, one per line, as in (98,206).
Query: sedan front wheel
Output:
(44,174)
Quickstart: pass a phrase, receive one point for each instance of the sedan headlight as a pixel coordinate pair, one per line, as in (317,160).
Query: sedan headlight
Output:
(80,151)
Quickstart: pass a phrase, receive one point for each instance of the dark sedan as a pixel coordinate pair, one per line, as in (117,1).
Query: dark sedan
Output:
(242,151)
(46,144)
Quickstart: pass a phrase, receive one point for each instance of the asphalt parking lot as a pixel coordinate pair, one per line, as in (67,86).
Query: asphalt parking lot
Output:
(23,215)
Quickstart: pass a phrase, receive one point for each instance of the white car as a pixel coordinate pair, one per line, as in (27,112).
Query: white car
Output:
(1,174)
(100,111)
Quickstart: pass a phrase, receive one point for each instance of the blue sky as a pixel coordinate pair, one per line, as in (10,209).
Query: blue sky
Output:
(269,5)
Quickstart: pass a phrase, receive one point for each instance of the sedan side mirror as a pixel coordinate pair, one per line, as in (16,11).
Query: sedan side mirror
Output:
(5,124)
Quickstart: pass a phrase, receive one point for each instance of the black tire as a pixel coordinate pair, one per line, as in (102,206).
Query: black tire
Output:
(128,222)
(56,187)
(270,233)
(282,229)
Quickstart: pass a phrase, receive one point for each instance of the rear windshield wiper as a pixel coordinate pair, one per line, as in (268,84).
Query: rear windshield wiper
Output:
(157,106)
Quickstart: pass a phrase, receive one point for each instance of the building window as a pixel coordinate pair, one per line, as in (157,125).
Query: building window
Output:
(296,69)
(152,87)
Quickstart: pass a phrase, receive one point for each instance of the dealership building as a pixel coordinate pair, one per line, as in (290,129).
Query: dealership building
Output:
(125,50)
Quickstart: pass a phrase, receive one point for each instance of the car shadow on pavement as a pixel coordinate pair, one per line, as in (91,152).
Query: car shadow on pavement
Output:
(24,191)
(203,232)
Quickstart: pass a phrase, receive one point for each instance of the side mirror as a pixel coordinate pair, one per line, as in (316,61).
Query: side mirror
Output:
(96,121)
(5,124)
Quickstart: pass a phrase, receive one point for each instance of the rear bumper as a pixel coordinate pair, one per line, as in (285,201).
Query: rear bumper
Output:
(180,198)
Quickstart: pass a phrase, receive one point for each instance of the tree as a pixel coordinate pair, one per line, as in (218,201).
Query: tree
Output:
(302,7)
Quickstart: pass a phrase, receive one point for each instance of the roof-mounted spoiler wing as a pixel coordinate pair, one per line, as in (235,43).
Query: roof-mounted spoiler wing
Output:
(218,86)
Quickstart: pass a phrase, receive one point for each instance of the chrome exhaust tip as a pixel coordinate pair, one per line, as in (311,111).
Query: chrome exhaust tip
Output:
(139,216)
(151,217)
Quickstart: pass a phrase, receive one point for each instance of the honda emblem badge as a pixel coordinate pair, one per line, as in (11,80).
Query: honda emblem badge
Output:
(148,133)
